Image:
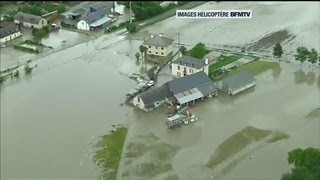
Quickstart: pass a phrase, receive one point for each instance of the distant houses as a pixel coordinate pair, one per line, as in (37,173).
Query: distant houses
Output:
(186,65)
(158,45)
(9,31)
(89,15)
(237,83)
(30,20)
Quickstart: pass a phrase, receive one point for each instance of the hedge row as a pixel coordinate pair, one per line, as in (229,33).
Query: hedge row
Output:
(25,49)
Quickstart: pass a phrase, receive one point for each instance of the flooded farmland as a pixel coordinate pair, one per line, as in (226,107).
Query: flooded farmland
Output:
(51,119)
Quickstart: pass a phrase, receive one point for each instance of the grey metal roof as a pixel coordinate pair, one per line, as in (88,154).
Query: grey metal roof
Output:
(190,62)
(188,82)
(157,40)
(212,54)
(207,89)
(239,80)
(188,96)
(153,95)
(8,29)
(92,17)
(29,18)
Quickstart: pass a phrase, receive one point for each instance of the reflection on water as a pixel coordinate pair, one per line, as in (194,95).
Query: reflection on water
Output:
(301,77)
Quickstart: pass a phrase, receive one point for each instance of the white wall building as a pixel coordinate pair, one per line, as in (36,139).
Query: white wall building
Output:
(158,45)
(186,65)
(30,20)
(9,31)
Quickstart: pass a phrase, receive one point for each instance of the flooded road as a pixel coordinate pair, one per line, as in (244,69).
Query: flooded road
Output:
(51,119)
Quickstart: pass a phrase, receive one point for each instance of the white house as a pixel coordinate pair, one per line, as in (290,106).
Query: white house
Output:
(30,20)
(9,31)
(186,65)
(93,20)
(158,45)
(152,98)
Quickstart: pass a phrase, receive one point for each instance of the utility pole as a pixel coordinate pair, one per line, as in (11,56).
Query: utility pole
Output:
(179,39)
(130,14)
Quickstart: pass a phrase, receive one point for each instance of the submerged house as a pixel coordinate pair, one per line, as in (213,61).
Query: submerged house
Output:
(237,83)
(152,98)
(191,88)
(186,65)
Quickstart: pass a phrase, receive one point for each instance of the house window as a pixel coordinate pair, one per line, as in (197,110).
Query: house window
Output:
(178,67)
(161,48)
(149,46)
(185,69)
(156,52)
(156,47)
(161,53)
(190,71)
(149,51)
(178,74)
(138,99)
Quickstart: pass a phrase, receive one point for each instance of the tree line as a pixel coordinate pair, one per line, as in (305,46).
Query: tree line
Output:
(302,55)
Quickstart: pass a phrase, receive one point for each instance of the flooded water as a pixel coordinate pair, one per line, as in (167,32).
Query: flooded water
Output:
(51,119)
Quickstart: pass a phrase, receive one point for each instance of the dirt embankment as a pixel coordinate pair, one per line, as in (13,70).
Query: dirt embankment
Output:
(271,39)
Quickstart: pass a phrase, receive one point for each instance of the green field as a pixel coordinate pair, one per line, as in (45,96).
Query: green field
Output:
(109,152)
(223,61)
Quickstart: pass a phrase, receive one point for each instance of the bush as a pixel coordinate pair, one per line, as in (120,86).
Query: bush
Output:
(51,7)
(25,49)
(199,51)
(131,27)
(40,33)
(66,25)
(31,9)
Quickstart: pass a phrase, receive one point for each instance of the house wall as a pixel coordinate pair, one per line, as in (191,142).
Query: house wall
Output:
(236,91)
(178,70)
(159,50)
(83,25)
(137,101)
(42,23)
(10,37)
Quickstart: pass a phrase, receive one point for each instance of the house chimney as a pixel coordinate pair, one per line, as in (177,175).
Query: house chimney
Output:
(151,35)
(206,61)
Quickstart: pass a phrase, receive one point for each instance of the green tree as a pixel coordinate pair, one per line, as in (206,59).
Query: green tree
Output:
(183,50)
(277,50)
(137,56)
(313,56)
(306,164)
(302,54)
(143,50)
(198,51)
(131,27)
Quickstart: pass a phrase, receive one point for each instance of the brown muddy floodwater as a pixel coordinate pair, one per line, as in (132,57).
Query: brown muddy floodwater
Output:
(51,119)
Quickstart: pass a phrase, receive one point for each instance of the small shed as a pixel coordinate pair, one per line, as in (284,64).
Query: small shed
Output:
(174,120)
(237,83)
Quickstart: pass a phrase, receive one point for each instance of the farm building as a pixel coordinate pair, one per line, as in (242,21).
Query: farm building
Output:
(9,31)
(237,83)
(30,20)
(152,98)
(190,88)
